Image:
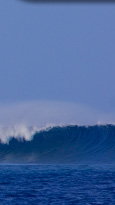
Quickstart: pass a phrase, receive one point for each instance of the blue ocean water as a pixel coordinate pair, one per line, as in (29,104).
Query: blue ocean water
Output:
(57,184)
(60,165)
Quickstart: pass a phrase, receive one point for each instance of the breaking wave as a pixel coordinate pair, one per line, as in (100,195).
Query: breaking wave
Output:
(66,144)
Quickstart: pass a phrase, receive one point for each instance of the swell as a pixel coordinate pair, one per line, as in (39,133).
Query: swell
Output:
(69,144)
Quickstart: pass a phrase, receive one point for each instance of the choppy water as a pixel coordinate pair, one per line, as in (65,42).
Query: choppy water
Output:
(56,184)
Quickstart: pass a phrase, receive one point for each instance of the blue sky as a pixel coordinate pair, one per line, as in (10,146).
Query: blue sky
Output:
(57,53)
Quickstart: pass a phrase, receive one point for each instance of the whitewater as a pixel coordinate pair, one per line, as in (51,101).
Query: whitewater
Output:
(58,144)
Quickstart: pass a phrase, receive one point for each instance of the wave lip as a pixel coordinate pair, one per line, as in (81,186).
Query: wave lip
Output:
(66,144)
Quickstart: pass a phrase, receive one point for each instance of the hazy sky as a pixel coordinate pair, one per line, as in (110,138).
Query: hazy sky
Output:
(58,52)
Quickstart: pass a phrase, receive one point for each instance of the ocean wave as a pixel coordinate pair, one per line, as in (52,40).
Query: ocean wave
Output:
(61,144)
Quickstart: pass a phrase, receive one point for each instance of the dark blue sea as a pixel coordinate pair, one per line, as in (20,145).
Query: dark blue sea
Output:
(57,184)
(60,165)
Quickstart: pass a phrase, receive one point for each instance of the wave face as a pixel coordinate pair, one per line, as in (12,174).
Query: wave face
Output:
(69,144)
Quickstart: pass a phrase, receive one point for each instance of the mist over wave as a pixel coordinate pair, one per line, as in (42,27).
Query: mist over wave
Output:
(65,144)
(55,132)
(24,119)
(43,113)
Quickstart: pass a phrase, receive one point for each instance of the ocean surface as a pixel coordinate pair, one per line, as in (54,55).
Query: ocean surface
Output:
(59,165)
(57,184)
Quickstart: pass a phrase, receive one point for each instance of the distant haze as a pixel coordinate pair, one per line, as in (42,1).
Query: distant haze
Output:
(46,113)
